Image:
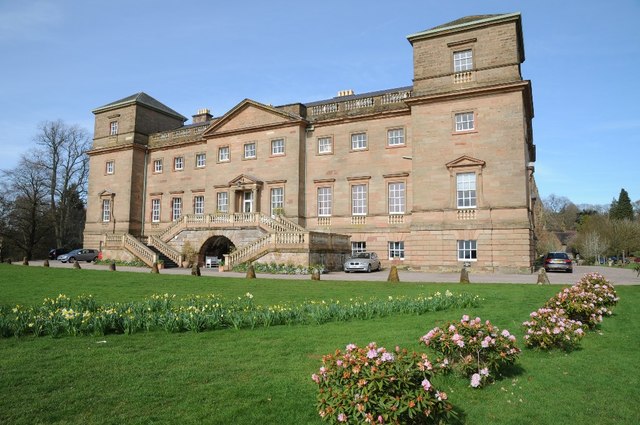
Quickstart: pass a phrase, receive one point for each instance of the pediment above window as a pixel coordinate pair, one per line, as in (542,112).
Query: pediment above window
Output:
(245,180)
(466,162)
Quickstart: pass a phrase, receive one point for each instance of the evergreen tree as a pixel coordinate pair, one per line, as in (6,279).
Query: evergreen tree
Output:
(621,209)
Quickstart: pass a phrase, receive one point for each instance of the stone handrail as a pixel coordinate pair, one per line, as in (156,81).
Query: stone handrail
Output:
(166,249)
(139,249)
(247,251)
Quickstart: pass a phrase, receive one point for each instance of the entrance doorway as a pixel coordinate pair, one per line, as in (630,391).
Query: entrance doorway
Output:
(247,201)
(214,249)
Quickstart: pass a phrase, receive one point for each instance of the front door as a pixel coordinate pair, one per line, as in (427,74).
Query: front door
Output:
(247,201)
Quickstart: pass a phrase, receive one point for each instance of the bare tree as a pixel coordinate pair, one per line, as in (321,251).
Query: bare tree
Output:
(62,153)
(592,245)
(24,206)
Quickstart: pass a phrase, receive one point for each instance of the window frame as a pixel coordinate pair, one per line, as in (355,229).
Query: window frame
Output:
(275,203)
(467,246)
(356,139)
(466,194)
(358,247)
(396,247)
(329,139)
(110,167)
(391,137)
(362,206)
(219,196)
(198,204)
(158,169)
(106,210)
(156,208)
(463,63)
(201,160)
(255,151)
(176,207)
(113,128)
(459,126)
(225,149)
(325,206)
(178,160)
(274,143)
(401,207)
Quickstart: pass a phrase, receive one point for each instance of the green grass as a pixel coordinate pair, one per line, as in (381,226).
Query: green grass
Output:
(263,375)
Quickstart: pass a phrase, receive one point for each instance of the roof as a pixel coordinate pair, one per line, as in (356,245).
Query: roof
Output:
(357,96)
(464,23)
(142,99)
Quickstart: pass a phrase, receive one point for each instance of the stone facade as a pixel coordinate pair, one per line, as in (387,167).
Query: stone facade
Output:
(438,174)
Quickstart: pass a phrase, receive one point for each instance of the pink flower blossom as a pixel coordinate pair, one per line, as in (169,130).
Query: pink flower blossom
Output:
(315,378)
(342,417)
(372,354)
(465,318)
(426,384)
(475,380)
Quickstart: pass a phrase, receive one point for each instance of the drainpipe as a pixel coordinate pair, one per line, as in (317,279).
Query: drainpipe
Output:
(144,189)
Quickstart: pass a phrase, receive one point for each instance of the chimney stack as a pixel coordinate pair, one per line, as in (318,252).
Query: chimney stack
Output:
(203,115)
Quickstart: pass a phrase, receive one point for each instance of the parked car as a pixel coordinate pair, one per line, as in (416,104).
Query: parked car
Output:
(362,262)
(87,255)
(558,261)
(56,252)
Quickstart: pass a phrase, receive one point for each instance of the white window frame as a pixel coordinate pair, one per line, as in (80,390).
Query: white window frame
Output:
(359,199)
(463,60)
(198,205)
(223,154)
(277,200)
(466,190)
(358,247)
(222,202)
(176,208)
(359,141)
(250,150)
(396,250)
(395,137)
(397,196)
(325,145)
(113,128)
(201,160)
(465,121)
(106,210)
(325,201)
(155,210)
(178,163)
(277,147)
(467,250)
(109,167)
(157,166)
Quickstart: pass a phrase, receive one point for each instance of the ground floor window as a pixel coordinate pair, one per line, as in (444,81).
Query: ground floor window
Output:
(223,202)
(176,208)
(106,210)
(277,201)
(396,250)
(357,247)
(198,205)
(467,250)
(155,210)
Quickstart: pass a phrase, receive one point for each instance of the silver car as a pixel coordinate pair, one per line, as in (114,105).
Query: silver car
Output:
(362,262)
(87,255)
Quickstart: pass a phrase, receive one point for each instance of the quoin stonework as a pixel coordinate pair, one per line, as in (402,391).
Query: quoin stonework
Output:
(434,176)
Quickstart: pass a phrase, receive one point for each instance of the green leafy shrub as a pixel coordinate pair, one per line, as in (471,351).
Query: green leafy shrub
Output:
(599,286)
(474,348)
(372,385)
(282,268)
(579,304)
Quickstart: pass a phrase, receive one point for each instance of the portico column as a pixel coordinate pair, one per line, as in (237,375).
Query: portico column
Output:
(254,194)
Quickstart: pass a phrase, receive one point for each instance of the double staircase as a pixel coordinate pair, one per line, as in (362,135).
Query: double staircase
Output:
(280,234)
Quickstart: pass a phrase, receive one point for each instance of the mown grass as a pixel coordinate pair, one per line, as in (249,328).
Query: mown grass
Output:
(263,375)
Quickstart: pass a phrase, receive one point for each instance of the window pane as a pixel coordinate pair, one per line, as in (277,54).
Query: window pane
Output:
(466,190)
(467,250)
(395,137)
(223,153)
(250,150)
(324,201)
(277,200)
(178,163)
(157,166)
(396,198)
(176,208)
(325,145)
(198,205)
(357,247)
(396,250)
(155,210)
(358,141)
(359,199)
(277,147)
(223,202)
(465,121)
(106,210)
(201,160)
(463,61)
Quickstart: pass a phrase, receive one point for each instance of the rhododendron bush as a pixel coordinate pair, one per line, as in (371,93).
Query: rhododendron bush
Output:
(476,349)
(372,385)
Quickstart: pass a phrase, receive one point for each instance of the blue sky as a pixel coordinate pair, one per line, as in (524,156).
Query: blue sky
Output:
(63,58)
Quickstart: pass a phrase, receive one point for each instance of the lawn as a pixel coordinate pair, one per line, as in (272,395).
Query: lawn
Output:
(263,375)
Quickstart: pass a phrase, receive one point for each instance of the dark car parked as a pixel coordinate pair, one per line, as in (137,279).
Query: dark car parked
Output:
(558,261)
(87,255)
(56,252)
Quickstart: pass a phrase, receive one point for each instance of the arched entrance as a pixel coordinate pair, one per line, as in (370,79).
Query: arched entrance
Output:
(215,247)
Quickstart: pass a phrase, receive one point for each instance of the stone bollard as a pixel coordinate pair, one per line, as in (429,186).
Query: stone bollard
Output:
(251,273)
(76,265)
(393,275)
(112,266)
(154,268)
(195,270)
(25,262)
(464,275)
(315,275)
(543,279)
(8,260)
(46,263)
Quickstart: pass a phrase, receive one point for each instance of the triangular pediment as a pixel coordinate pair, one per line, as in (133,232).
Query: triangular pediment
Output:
(465,161)
(244,179)
(251,115)
(106,192)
